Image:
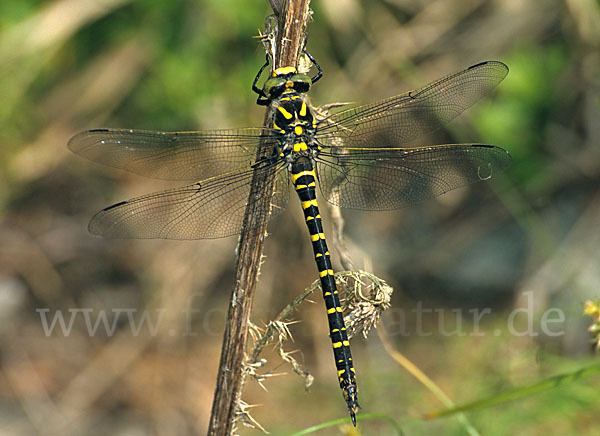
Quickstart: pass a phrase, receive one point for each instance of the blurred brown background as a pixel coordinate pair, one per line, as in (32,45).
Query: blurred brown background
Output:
(527,239)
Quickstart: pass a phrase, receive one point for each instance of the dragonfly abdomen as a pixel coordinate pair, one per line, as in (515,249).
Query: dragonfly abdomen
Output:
(303,177)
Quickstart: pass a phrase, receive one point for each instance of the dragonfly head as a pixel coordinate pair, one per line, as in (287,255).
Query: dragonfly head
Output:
(286,79)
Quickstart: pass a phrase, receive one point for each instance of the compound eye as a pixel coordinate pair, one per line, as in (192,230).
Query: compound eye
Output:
(274,87)
(301,82)
(276,91)
(302,87)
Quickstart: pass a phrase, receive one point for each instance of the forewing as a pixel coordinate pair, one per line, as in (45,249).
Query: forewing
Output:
(383,179)
(171,155)
(212,208)
(395,121)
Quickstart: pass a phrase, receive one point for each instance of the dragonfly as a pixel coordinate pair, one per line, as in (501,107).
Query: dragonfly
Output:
(357,156)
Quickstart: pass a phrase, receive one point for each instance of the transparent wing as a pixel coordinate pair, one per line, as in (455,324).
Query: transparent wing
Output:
(211,208)
(386,178)
(394,121)
(171,155)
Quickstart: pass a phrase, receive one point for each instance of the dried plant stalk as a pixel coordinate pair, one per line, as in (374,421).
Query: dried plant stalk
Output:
(291,25)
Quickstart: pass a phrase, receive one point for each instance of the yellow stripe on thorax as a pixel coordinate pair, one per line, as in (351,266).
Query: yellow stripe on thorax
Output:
(303,110)
(285,113)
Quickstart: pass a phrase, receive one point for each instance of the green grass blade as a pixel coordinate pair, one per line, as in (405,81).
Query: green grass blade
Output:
(344,420)
(524,391)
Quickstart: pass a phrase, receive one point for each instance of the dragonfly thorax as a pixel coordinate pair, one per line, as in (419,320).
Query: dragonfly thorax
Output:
(294,122)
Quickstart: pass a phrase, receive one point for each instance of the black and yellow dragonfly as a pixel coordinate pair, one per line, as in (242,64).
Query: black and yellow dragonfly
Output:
(356,156)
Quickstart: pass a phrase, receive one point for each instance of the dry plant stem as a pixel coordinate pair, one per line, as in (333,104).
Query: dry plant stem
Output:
(276,6)
(338,237)
(292,23)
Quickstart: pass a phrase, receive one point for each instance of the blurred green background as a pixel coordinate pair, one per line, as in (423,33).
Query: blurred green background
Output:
(528,239)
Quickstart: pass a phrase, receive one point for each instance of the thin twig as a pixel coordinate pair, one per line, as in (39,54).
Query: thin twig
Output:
(292,23)
(366,296)
(283,315)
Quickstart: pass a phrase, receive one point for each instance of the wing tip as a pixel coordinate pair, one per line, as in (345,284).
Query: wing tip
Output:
(503,157)
(79,141)
(499,64)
